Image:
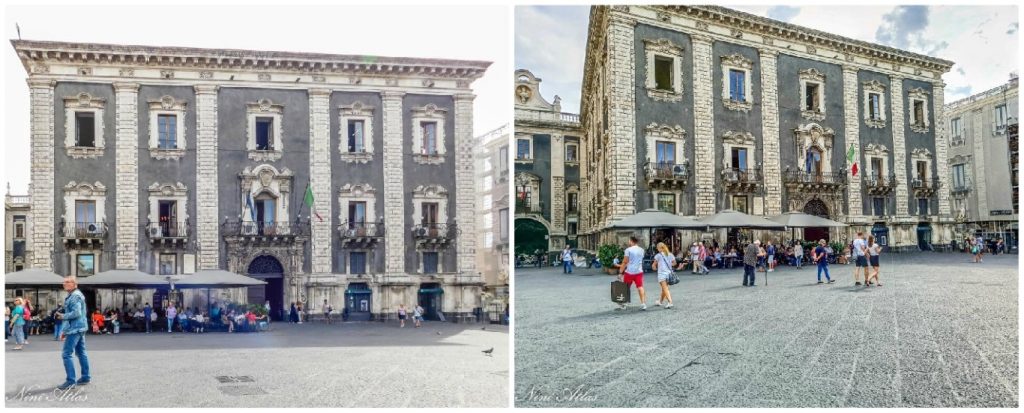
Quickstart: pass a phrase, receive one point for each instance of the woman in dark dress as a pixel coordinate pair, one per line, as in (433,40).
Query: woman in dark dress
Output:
(293,315)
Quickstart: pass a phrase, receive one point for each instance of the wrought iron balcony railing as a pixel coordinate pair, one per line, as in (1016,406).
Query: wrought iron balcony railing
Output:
(83,230)
(524,208)
(162,231)
(664,174)
(434,232)
(361,230)
(814,181)
(877,184)
(961,187)
(739,180)
(265,228)
(924,187)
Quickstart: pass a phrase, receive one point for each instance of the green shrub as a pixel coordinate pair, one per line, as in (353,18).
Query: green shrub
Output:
(607,253)
(837,247)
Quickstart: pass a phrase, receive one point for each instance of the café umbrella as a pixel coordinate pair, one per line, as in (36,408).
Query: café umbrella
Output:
(122,280)
(34,278)
(209,279)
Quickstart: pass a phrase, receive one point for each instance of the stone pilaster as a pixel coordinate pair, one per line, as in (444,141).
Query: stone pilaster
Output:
(978,134)
(704,131)
(941,147)
(852,129)
(394,190)
(465,195)
(42,186)
(127,174)
(558,184)
(621,150)
(899,150)
(320,178)
(770,131)
(207,188)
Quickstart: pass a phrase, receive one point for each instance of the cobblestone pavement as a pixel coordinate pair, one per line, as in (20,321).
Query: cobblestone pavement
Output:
(308,365)
(941,331)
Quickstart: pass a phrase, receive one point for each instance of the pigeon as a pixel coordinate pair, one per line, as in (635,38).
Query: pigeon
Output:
(483,328)
(489,351)
(438,333)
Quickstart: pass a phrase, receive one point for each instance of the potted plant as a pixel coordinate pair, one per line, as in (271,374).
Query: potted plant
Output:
(606,255)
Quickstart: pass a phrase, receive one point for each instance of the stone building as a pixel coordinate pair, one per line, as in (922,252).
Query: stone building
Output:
(17,227)
(547,164)
(492,216)
(697,109)
(172,159)
(983,162)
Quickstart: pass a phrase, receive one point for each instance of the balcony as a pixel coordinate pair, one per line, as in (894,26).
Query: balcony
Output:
(360,234)
(524,208)
(266,231)
(880,184)
(812,182)
(167,233)
(662,175)
(961,187)
(433,234)
(742,181)
(83,233)
(924,187)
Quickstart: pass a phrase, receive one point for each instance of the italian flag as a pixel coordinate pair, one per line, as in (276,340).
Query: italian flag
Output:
(850,156)
(308,200)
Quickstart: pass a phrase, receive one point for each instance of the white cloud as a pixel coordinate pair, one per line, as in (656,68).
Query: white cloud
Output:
(551,42)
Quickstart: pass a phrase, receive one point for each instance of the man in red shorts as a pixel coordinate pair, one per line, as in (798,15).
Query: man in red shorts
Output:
(632,269)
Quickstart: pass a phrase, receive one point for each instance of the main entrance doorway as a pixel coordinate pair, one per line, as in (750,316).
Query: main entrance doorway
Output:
(430,296)
(269,269)
(818,208)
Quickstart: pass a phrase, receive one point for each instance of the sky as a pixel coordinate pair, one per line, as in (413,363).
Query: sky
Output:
(464,32)
(550,41)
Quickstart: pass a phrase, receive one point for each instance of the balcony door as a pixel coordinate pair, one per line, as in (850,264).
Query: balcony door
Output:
(357,216)
(168,218)
(265,210)
(876,170)
(85,215)
(429,217)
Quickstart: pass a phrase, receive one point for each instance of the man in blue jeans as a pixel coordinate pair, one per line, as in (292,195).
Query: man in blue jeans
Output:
(820,256)
(749,261)
(73,330)
(567,260)
(147,312)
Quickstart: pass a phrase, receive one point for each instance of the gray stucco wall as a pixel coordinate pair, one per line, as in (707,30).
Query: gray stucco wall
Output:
(878,136)
(343,173)
(726,120)
(790,104)
(101,169)
(416,174)
(232,156)
(914,140)
(165,171)
(663,113)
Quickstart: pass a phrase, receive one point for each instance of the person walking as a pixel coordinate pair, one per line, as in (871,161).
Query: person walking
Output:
(17,323)
(977,248)
(75,323)
(401,315)
(56,323)
(299,310)
(171,314)
(664,263)
(798,255)
(327,312)
(874,250)
(632,271)
(694,257)
(750,259)
(293,315)
(566,260)
(417,316)
(859,251)
(770,256)
(820,256)
(267,307)
(702,254)
(147,313)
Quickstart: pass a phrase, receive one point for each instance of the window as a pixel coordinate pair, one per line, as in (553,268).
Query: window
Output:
(922,206)
(877,169)
(663,73)
(737,90)
(357,212)
(1000,116)
(356,140)
(429,213)
(168,264)
(19,226)
(85,212)
(85,129)
(955,127)
(922,170)
(167,216)
(571,228)
(167,126)
(665,152)
(265,211)
(524,196)
(570,152)
(959,176)
(86,264)
(264,134)
(918,99)
(878,205)
(503,159)
(430,262)
(740,204)
(811,98)
(739,158)
(918,112)
(667,203)
(357,262)
(523,149)
(429,133)
(874,104)
(573,202)
(814,165)
(503,223)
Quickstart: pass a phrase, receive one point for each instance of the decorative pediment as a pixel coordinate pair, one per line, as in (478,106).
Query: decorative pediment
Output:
(812,75)
(84,100)
(168,102)
(874,86)
(921,153)
(814,134)
(264,106)
(960,159)
(917,93)
(572,187)
(357,191)
(663,46)
(655,130)
(738,138)
(525,179)
(430,191)
(874,149)
(266,177)
(738,60)
(430,110)
(177,189)
(356,109)
(86,189)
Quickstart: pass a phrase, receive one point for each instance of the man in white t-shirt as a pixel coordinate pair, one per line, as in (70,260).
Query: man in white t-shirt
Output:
(632,270)
(567,260)
(860,256)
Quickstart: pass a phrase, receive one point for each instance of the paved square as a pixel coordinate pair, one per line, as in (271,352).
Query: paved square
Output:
(308,365)
(941,331)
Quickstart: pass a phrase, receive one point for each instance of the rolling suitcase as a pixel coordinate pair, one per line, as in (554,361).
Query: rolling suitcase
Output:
(620,292)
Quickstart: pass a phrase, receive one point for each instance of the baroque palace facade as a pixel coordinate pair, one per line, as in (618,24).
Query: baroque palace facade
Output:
(697,109)
(276,165)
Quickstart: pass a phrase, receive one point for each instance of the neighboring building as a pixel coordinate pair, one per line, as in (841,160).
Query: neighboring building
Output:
(983,162)
(17,227)
(547,164)
(173,159)
(697,109)
(492,216)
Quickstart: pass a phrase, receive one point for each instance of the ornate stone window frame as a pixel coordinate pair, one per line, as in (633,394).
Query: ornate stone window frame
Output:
(430,193)
(877,151)
(533,182)
(167,105)
(84,102)
(921,154)
(572,188)
(265,108)
(878,88)
(428,113)
(654,48)
(918,95)
(812,77)
(361,112)
(655,133)
(84,191)
(738,139)
(349,193)
(964,160)
(267,179)
(813,134)
(739,62)
(655,194)
(168,192)
(956,134)
(528,138)
(575,162)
